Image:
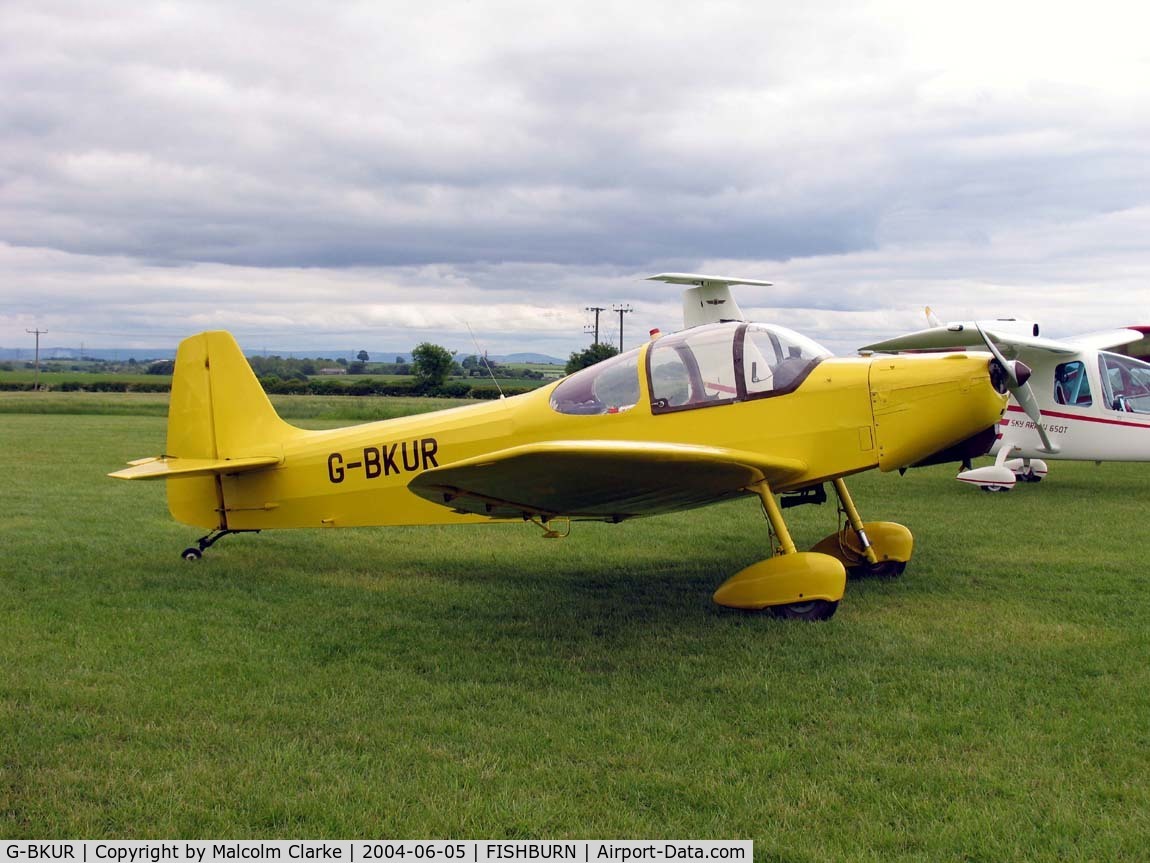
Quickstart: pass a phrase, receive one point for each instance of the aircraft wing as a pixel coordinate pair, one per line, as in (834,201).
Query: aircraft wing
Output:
(608,480)
(1105,340)
(955,337)
(941,338)
(163,467)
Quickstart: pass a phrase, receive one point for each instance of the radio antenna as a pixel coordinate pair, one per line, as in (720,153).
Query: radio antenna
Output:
(483,356)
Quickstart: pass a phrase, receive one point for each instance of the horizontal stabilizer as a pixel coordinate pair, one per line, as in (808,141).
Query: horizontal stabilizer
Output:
(707,299)
(699,281)
(609,480)
(162,467)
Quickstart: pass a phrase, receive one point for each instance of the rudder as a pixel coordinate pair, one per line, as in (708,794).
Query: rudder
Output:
(218,410)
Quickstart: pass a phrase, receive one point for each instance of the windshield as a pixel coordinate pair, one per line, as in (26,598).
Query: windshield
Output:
(610,386)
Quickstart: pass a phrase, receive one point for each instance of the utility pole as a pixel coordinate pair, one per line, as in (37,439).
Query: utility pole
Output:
(38,333)
(596,310)
(622,310)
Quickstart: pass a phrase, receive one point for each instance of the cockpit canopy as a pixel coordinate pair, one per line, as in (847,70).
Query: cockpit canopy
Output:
(699,367)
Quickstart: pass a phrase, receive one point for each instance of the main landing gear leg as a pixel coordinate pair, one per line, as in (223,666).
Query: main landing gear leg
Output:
(879,548)
(847,505)
(775,517)
(195,552)
(800,585)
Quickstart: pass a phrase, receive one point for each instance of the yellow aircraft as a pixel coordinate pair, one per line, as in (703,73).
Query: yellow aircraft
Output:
(713,412)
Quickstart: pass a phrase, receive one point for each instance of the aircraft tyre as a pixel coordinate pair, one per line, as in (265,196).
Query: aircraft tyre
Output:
(191,553)
(893,545)
(814,610)
(882,569)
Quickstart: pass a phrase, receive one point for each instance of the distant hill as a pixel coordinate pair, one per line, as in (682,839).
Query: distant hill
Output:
(112,354)
(530,358)
(120,354)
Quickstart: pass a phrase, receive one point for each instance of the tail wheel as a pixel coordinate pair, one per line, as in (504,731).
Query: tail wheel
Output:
(814,609)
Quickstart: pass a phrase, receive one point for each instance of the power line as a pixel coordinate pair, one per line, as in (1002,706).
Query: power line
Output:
(36,385)
(622,310)
(596,310)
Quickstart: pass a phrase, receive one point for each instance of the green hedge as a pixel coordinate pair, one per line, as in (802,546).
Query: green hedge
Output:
(89,386)
(275,386)
(331,387)
(372,387)
(489,393)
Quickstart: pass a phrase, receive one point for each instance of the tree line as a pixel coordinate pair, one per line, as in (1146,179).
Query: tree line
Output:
(431,368)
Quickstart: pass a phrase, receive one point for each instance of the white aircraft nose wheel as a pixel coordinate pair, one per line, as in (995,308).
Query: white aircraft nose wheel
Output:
(815,609)
(191,553)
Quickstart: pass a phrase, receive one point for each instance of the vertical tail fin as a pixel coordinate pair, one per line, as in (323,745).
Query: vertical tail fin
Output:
(218,410)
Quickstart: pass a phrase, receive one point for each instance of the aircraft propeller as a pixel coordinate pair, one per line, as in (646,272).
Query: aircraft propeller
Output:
(1017,375)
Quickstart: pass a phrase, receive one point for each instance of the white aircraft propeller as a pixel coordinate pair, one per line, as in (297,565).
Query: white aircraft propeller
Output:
(1018,377)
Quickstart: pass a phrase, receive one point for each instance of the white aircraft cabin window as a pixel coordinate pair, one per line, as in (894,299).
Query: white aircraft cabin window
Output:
(1071,386)
(776,360)
(608,387)
(694,368)
(1126,381)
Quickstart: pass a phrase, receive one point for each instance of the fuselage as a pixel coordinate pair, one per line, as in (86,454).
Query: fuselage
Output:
(1095,406)
(723,385)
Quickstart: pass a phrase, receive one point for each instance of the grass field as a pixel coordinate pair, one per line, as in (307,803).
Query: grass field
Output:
(346,409)
(992,704)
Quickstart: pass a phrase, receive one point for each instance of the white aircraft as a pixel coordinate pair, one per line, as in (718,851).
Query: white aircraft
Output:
(1085,398)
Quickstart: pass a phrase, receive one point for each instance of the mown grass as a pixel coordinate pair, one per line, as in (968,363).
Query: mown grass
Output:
(991,704)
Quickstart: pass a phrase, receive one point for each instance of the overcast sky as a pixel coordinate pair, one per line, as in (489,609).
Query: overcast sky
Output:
(376,174)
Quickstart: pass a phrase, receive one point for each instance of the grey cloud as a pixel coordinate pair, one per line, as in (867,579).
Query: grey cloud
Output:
(552,153)
(172,146)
